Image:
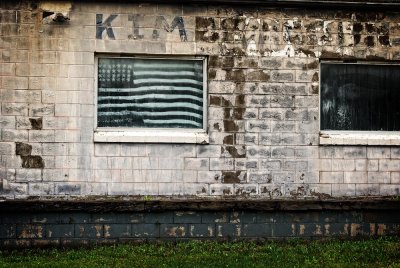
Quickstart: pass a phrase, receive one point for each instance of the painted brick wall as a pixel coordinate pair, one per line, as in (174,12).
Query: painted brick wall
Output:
(263,98)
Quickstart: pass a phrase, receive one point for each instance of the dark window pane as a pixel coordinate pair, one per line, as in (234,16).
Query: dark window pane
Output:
(150,93)
(360,97)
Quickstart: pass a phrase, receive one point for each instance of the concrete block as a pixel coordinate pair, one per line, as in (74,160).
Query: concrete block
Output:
(107,149)
(81,71)
(197,164)
(74,218)
(157,218)
(363,189)
(28,175)
(229,230)
(214,217)
(307,102)
(272,113)
(41,109)
(258,152)
(258,126)
(50,175)
(12,82)
(283,126)
(389,190)
(394,153)
(343,165)
(6,148)
(174,230)
(7,122)
(389,165)
(121,162)
(379,177)
(30,231)
(22,122)
(67,109)
(208,151)
(354,152)
(117,230)
(395,177)
(342,190)
(68,189)
(171,163)
(145,230)
(283,76)
(247,139)
(89,230)
(133,150)
(257,230)
(145,163)
(67,135)
(60,230)
(258,101)
(41,189)
(246,190)
(187,217)
(221,189)
(41,136)
(378,152)
(14,135)
(282,101)
(332,177)
(221,164)
(14,109)
(54,149)
(355,177)
(7,231)
(201,230)
(246,164)
(282,152)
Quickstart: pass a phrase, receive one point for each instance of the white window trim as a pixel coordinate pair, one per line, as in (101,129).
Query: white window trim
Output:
(153,135)
(349,137)
(359,137)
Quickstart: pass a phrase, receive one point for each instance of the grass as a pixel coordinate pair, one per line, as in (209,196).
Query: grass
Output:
(382,252)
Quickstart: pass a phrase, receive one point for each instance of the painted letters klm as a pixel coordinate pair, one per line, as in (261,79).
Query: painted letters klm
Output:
(104,26)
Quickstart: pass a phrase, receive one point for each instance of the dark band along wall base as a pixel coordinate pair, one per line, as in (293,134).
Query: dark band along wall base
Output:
(74,224)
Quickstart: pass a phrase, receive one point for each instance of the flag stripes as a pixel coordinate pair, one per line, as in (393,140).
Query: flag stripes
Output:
(155,93)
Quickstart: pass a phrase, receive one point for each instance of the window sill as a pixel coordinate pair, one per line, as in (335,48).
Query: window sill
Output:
(359,138)
(151,137)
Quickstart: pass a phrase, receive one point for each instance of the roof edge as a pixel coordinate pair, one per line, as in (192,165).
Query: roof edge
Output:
(359,4)
(22,206)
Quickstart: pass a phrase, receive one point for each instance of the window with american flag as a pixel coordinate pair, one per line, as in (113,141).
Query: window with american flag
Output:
(151,93)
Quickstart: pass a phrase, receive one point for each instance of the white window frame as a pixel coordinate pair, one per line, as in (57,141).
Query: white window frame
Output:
(152,135)
(352,137)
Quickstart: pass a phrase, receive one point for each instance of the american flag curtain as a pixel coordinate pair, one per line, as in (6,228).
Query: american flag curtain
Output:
(150,93)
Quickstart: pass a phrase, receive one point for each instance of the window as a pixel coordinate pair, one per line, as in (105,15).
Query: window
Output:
(359,103)
(143,99)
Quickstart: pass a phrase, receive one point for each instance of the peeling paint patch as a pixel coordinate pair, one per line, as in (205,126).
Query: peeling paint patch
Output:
(36,123)
(179,231)
(355,229)
(381,229)
(24,150)
(233,176)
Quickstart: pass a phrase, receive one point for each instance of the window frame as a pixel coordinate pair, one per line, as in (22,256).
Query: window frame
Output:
(152,135)
(354,137)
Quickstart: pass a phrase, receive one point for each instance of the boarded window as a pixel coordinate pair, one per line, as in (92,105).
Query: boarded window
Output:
(150,93)
(360,97)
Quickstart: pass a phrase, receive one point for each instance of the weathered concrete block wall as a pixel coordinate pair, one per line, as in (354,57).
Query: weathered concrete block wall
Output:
(263,99)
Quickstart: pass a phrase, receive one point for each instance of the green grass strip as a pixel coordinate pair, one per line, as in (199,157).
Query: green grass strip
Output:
(382,252)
